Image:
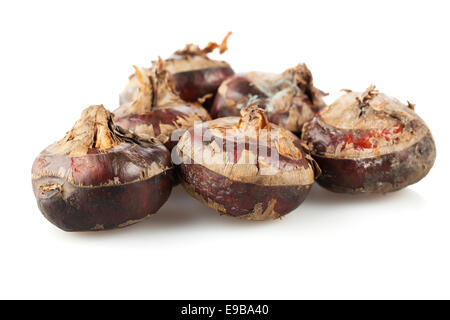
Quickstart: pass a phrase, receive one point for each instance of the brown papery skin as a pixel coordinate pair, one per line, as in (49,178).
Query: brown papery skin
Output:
(233,194)
(103,188)
(289,109)
(409,150)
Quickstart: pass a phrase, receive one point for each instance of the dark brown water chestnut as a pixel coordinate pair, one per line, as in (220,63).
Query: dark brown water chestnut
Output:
(369,142)
(100,176)
(290,99)
(245,167)
(196,77)
(155,110)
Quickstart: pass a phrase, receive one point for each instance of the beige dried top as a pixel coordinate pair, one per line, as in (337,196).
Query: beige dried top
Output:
(92,130)
(372,110)
(150,88)
(249,168)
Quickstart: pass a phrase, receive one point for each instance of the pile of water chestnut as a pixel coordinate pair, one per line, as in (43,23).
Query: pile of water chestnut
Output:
(249,145)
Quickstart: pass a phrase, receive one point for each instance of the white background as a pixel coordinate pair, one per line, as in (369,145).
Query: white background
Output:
(56,58)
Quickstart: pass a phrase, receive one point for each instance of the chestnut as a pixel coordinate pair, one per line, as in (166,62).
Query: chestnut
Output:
(155,110)
(369,142)
(290,99)
(100,176)
(245,167)
(196,77)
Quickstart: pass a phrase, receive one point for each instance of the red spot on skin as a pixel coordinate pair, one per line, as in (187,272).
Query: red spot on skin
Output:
(349,139)
(363,143)
(388,133)
(362,140)
(399,128)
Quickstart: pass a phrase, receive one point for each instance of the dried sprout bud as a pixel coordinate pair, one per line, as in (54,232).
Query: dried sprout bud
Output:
(194,50)
(253,117)
(366,97)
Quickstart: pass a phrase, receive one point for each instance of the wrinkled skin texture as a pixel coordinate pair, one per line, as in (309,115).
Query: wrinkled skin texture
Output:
(239,186)
(290,99)
(106,185)
(377,145)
